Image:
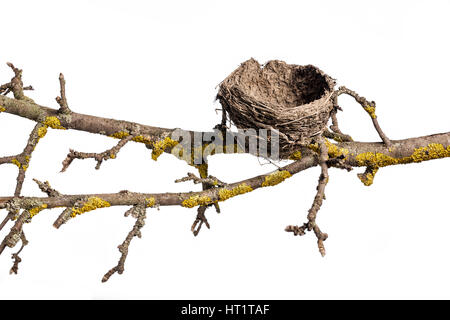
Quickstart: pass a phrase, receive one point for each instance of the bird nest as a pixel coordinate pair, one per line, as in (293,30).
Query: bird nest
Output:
(293,101)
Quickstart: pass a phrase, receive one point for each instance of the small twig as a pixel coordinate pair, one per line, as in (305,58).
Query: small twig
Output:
(207,182)
(15,233)
(99,157)
(22,160)
(15,256)
(200,220)
(339,163)
(15,85)
(46,188)
(369,107)
(211,180)
(62,100)
(140,212)
(311,225)
(337,136)
(63,217)
(13,210)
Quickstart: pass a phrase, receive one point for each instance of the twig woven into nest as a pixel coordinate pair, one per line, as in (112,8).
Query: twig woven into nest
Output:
(292,100)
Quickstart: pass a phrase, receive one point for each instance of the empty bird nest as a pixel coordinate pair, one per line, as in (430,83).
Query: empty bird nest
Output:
(291,100)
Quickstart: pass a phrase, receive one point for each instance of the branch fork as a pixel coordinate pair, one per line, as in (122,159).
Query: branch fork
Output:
(21,209)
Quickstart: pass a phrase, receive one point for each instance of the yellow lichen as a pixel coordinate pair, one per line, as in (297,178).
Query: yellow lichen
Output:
(367,177)
(377,160)
(225,194)
(91,204)
(112,155)
(276,178)
(16,162)
(432,151)
(35,210)
(142,139)
(53,122)
(196,201)
(334,151)
(150,202)
(120,134)
(297,155)
(2,109)
(124,134)
(161,145)
(337,138)
(371,111)
(42,131)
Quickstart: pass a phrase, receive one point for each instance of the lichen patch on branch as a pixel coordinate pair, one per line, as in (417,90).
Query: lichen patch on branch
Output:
(276,178)
(120,134)
(368,176)
(91,204)
(378,160)
(196,200)
(35,210)
(54,123)
(42,131)
(150,202)
(297,155)
(371,111)
(346,154)
(161,145)
(225,193)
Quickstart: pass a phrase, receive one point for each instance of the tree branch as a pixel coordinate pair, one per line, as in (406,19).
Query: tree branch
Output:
(345,154)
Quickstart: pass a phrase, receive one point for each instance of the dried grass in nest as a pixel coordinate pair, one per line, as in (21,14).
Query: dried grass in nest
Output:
(294,101)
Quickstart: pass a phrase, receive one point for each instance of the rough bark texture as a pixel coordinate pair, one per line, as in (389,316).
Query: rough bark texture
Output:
(344,153)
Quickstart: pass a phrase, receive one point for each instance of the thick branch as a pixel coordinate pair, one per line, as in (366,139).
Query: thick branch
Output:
(357,154)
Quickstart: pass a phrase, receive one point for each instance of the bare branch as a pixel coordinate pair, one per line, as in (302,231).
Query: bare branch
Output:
(15,85)
(345,154)
(62,100)
(311,225)
(140,212)
(22,161)
(15,256)
(46,188)
(99,157)
(209,180)
(200,220)
(369,107)
(65,216)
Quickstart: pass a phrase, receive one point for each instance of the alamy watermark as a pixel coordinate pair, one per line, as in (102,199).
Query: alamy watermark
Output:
(263,142)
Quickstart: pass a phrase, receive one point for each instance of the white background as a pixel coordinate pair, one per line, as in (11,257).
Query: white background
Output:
(158,63)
